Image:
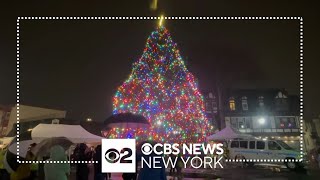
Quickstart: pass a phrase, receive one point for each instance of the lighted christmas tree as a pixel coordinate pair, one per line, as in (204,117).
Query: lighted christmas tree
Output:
(162,89)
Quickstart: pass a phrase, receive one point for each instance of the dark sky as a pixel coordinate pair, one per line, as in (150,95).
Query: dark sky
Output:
(76,65)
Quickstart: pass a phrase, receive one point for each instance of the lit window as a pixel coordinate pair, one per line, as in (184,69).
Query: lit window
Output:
(280,122)
(232,104)
(244,101)
(291,123)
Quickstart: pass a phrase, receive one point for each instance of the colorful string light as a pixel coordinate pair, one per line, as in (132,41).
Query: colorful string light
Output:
(162,89)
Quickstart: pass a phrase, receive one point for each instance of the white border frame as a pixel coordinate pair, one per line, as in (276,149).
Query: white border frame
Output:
(299,18)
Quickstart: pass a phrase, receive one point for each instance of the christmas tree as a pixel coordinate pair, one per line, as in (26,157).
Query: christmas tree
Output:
(162,89)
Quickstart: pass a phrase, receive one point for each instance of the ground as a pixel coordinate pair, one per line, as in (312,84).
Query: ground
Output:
(238,173)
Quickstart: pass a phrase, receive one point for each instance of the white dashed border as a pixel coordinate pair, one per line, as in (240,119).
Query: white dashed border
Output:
(169,18)
(301,89)
(18,86)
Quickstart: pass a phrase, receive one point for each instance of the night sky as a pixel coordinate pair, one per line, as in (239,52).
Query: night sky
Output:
(76,65)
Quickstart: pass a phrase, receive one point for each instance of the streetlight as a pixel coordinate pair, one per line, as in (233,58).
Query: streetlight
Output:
(88,119)
(262,120)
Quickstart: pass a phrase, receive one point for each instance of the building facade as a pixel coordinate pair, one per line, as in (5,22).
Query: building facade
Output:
(265,113)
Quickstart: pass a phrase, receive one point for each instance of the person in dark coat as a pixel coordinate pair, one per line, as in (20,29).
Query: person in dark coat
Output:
(98,175)
(82,171)
(147,173)
(172,169)
(130,176)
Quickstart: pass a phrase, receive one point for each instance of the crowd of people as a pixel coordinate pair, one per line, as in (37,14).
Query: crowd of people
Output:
(62,171)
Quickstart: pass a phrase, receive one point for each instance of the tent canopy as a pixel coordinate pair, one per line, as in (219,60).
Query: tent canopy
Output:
(227,134)
(75,133)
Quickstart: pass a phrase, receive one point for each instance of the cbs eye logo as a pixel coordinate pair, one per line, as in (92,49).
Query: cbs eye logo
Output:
(118,155)
(113,156)
(146,148)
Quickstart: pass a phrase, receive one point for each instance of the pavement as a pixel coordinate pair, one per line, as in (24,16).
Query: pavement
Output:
(234,171)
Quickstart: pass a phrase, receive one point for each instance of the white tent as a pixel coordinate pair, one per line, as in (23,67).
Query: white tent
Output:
(75,133)
(227,134)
